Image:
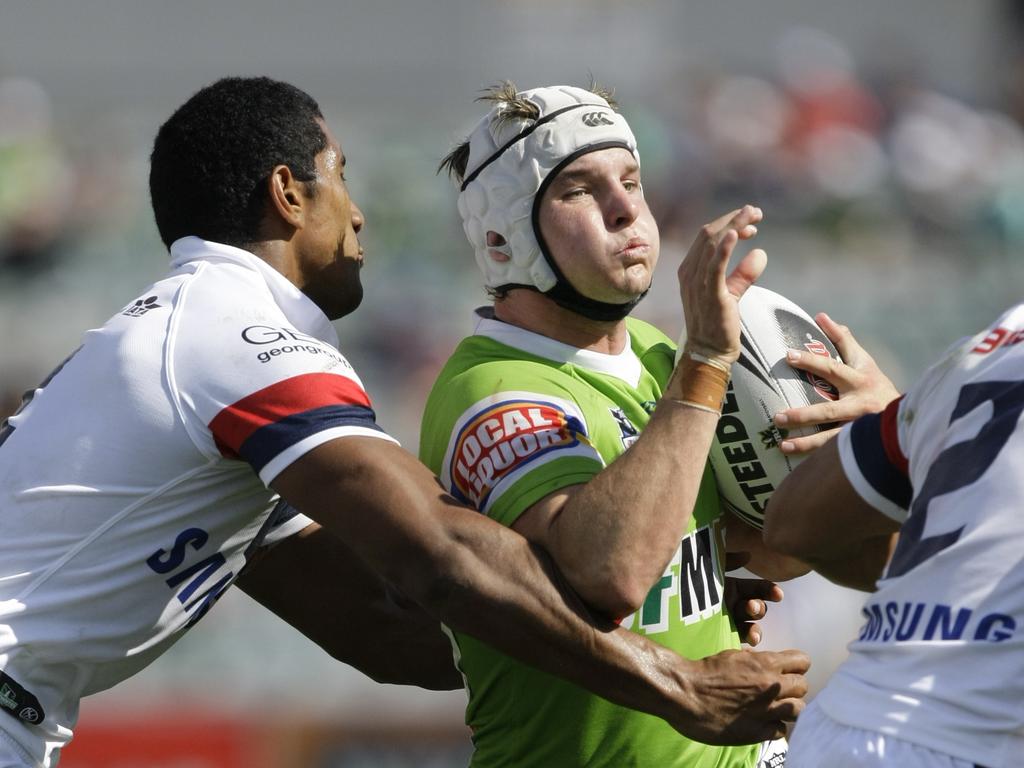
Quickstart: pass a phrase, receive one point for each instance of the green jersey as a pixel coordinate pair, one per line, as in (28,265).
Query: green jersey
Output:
(513,417)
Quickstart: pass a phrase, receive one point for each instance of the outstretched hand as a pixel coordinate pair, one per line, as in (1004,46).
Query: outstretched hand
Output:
(862,386)
(710,293)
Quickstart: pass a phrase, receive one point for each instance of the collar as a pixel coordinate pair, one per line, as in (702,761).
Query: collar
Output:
(625,365)
(298,308)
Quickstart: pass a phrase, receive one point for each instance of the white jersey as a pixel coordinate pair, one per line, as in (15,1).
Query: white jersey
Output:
(134,482)
(940,659)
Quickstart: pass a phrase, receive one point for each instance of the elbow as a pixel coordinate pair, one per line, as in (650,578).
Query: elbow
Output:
(616,595)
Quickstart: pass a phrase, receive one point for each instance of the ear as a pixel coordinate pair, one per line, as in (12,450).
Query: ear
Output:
(287,196)
(496,247)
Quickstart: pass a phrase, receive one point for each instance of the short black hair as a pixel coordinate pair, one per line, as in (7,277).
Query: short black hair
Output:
(211,158)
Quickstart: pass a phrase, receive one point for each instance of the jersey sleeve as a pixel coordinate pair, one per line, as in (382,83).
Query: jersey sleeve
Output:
(875,462)
(508,450)
(283,522)
(253,387)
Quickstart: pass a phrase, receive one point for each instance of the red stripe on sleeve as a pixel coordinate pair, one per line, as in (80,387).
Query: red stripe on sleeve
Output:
(891,438)
(235,423)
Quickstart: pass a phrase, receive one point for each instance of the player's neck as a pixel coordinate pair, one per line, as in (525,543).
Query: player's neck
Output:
(535,312)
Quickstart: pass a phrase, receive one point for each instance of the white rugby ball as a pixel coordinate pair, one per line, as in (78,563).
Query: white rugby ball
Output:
(745,455)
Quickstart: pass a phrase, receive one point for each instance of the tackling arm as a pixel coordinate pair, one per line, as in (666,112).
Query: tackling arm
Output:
(816,515)
(488,581)
(317,584)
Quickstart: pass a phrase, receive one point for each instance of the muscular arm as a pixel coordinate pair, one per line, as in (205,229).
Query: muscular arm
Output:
(817,516)
(323,589)
(763,560)
(613,536)
(488,581)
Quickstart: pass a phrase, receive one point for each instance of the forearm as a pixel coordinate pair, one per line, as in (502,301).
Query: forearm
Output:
(317,584)
(763,561)
(816,515)
(860,566)
(636,510)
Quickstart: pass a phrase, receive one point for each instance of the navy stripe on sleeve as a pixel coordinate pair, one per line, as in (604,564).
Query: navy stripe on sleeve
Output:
(268,441)
(872,459)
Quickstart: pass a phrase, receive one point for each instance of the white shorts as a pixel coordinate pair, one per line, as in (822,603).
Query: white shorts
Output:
(818,741)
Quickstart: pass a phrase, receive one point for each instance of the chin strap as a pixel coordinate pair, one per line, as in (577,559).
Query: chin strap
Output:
(564,295)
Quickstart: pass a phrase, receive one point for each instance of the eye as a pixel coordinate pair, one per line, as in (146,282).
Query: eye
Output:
(631,184)
(575,192)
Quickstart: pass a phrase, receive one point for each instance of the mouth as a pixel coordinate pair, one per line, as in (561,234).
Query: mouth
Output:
(636,248)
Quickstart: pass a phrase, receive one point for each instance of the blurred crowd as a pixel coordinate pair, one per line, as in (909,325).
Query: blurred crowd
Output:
(879,168)
(829,149)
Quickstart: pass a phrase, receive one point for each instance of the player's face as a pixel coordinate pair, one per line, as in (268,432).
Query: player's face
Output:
(598,227)
(330,255)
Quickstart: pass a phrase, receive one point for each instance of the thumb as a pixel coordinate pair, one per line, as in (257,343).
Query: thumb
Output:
(746,272)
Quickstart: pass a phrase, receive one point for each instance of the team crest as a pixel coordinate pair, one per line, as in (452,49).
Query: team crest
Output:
(627,431)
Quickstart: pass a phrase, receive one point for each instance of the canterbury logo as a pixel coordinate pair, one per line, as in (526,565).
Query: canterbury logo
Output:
(594,119)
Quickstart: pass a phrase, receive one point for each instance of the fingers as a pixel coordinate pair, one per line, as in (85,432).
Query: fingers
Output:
(835,371)
(752,635)
(748,602)
(798,446)
(717,239)
(792,661)
(841,336)
(743,220)
(755,589)
(708,289)
(787,709)
(746,272)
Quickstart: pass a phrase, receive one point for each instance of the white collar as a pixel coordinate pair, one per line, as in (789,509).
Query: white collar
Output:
(625,365)
(297,306)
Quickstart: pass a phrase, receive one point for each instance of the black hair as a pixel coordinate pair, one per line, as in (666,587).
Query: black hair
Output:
(212,157)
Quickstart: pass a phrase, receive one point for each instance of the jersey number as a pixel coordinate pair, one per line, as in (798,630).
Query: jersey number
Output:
(957,467)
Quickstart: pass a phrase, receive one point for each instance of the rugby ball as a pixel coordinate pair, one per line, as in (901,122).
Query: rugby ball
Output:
(745,455)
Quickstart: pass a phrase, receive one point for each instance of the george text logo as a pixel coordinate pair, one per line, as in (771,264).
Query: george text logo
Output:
(289,341)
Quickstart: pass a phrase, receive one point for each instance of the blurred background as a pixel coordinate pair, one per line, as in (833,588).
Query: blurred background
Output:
(883,140)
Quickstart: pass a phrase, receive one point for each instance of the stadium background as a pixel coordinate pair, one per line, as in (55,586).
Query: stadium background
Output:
(884,142)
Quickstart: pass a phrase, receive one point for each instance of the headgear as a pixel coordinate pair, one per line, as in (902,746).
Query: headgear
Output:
(511,163)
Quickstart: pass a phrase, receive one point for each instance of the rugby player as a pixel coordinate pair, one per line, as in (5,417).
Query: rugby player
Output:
(211,433)
(531,418)
(920,505)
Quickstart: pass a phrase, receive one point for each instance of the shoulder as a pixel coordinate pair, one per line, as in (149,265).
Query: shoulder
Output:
(657,352)
(480,367)
(485,383)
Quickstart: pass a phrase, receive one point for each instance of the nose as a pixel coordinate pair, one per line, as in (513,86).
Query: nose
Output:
(621,208)
(357,218)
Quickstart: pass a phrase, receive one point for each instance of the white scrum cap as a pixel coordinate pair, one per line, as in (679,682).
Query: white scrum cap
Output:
(511,161)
